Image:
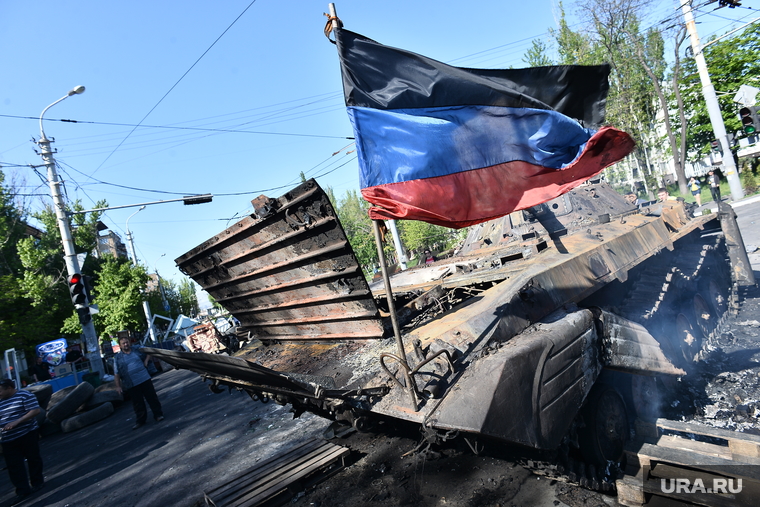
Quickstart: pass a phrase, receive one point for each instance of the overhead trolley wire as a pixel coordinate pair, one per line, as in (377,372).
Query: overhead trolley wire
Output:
(175,85)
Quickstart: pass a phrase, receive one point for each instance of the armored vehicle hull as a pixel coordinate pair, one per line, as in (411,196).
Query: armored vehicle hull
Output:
(506,339)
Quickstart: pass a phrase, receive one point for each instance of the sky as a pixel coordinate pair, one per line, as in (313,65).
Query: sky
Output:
(235,98)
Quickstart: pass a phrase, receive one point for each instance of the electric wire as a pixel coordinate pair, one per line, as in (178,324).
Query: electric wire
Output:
(175,84)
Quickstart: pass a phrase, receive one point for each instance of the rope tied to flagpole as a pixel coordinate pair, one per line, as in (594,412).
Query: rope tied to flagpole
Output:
(333,22)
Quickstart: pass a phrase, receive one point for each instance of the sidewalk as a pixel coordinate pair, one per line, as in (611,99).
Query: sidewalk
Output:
(205,440)
(713,207)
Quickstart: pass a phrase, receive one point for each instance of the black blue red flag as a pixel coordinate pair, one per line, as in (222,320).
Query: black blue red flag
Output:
(455,146)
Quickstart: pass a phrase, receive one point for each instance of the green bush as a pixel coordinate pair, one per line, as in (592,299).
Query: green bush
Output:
(749,180)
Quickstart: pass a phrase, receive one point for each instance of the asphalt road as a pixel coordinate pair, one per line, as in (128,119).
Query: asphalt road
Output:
(205,440)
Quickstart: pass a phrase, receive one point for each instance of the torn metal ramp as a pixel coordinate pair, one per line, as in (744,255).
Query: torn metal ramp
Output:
(232,370)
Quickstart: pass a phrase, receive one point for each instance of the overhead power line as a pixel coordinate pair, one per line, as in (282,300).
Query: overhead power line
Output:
(173,127)
(175,85)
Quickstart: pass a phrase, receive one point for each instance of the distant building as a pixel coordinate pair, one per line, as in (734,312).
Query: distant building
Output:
(110,244)
(152,282)
(32,231)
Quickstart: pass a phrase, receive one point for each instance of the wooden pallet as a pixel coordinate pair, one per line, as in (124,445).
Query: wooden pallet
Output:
(276,480)
(671,451)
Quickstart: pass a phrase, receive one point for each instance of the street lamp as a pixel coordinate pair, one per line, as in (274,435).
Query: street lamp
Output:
(77,90)
(70,256)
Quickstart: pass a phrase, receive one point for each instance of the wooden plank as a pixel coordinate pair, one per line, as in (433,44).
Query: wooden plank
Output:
(268,477)
(630,491)
(711,500)
(749,487)
(696,460)
(674,442)
(707,431)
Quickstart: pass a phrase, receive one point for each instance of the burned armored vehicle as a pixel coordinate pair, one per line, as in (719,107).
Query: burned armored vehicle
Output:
(545,326)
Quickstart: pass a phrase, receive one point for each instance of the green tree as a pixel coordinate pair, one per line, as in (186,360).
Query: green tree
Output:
(181,298)
(12,226)
(188,299)
(44,280)
(17,314)
(118,294)
(352,213)
(574,48)
(731,62)
(537,55)
(417,236)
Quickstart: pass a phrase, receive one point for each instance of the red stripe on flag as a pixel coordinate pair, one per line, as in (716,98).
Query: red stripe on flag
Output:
(471,197)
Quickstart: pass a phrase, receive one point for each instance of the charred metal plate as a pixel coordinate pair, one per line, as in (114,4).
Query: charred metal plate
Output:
(231,367)
(288,272)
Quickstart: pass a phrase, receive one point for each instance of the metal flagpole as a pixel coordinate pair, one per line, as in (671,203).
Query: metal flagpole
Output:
(386,277)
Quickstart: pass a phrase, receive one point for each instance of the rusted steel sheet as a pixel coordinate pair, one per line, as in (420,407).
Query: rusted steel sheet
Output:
(287,272)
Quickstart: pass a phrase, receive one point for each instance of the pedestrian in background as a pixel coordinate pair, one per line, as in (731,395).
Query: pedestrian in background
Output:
(696,191)
(21,439)
(131,375)
(714,186)
(40,370)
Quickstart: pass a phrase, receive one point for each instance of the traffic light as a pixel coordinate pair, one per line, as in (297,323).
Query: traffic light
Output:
(715,146)
(84,315)
(749,119)
(77,290)
(89,289)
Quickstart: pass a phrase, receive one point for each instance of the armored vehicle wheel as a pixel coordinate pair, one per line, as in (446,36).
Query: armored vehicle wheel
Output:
(606,429)
(687,337)
(715,295)
(705,316)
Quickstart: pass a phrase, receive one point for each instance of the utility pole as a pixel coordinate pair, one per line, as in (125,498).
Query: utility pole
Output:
(713,108)
(70,256)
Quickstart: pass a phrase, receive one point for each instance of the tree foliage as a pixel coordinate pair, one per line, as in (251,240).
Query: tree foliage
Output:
(537,55)
(118,294)
(731,63)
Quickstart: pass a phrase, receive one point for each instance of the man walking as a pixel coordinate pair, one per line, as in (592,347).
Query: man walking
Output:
(714,186)
(21,439)
(131,375)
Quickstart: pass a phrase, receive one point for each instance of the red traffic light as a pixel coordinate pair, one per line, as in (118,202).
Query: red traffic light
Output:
(75,278)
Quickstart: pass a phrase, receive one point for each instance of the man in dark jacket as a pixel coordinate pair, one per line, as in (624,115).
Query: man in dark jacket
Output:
(21,438)
(131,375)
(40,370)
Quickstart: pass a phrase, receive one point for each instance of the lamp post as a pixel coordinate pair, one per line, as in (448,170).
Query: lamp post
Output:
(70,256)
(145,305)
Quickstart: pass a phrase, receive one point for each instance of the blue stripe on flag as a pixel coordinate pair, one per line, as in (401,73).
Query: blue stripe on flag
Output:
(409,144)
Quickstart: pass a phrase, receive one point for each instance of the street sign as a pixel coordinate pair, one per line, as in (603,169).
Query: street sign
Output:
(746,96)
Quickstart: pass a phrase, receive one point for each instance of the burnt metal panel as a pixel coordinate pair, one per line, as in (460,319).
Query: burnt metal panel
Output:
(629,347)
(530,388)
(288,272)
(232,367)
